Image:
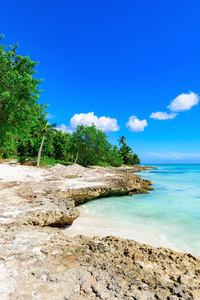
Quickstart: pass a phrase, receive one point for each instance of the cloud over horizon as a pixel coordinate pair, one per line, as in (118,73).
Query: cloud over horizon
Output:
(163,115)
(184,102)
(135,125)
(106,124)
(166,157)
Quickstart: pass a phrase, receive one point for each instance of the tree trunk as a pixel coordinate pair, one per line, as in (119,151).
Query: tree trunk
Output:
(40,150)
(76,157)
(85,158)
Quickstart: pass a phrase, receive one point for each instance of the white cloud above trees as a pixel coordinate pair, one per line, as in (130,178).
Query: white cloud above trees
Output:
(135,125)
(182,102)
(64,128)
(106,124)
(163,115)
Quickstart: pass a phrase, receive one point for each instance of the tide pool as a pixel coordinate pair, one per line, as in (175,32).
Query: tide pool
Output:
(171,212)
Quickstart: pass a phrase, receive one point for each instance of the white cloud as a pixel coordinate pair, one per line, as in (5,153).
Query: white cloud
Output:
(163,115)
(163,155)
(104,123)
(184,102)
(167,157)
(50,116)
(135,125)
(64,128)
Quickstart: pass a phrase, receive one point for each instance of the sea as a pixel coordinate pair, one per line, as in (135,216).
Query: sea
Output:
(169,216)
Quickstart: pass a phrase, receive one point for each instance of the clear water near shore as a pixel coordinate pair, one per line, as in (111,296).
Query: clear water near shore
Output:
(169,216)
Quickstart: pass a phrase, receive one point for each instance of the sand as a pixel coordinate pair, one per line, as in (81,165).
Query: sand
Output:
(10,173)
(96,225)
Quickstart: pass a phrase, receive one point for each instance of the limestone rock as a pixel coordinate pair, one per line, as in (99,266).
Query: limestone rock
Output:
(39,262)
(50,212)
(42,263)
(123,182)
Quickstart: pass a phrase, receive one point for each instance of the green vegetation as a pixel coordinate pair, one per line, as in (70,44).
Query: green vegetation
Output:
(19,93)
(126,153)
(46,130)
(91,147)
(26,134)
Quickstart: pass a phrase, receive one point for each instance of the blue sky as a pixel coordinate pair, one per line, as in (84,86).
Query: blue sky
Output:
(117,59)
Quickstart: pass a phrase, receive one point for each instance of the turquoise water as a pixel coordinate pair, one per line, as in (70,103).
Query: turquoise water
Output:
(171,211)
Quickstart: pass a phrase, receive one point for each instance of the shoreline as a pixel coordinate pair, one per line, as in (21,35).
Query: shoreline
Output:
(85,184)
(38,259)
(94,225)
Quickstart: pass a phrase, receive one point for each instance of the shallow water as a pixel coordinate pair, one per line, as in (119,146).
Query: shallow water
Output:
(169,214)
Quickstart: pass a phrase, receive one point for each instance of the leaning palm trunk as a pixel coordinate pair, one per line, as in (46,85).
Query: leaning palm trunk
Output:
(76,157)
(40,151)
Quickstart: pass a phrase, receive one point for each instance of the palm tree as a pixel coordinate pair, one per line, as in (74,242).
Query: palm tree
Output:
(78,138)
(45,131)
(122,140)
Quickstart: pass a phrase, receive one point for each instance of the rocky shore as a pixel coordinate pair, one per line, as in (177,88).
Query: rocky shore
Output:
(38,262)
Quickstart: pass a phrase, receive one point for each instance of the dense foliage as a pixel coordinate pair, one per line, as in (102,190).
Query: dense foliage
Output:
(126,153)
(19,93)
(91,147)
(25,132)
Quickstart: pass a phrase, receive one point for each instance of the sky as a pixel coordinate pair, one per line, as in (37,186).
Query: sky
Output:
(131,67)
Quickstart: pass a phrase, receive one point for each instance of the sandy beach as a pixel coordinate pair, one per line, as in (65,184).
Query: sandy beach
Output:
(95,225)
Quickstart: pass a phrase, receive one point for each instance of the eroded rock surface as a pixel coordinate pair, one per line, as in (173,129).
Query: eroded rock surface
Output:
(52,211)
(50,200)
(117,182)
(38,262)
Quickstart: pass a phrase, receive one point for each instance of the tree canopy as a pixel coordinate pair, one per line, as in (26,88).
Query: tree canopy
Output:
(126,153)
(19,95)
(93,147)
